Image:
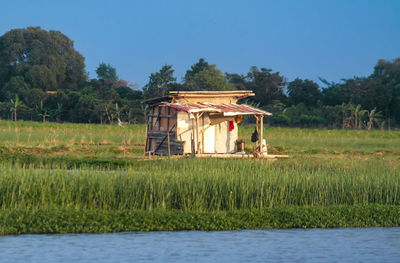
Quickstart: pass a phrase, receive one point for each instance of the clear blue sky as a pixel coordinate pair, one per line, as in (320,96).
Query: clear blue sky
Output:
(333,39)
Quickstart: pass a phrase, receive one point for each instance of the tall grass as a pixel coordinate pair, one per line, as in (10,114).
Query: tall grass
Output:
(203,185)
(58,178)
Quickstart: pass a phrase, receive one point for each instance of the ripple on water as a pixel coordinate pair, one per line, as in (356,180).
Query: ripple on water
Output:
(297,245)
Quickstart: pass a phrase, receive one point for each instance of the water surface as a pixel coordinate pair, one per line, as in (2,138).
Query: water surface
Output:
(312,245)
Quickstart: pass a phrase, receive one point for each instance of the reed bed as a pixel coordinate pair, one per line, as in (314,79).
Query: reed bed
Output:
(57,178)
(203,185)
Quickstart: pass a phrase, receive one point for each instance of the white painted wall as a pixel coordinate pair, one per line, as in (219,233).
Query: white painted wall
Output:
(217,138)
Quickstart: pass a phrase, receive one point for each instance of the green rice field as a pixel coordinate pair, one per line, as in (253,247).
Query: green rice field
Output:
(57,178)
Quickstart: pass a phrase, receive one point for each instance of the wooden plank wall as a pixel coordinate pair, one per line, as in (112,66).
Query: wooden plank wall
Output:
(162,122)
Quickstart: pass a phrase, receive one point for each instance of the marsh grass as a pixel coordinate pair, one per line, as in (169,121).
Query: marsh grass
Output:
(203,185)
(66,174)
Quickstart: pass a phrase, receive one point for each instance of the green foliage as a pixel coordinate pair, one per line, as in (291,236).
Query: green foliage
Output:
(106,72)
(70,220)
(266,85)
(303,91)
(45,71)
(160,83)
(42,59)
(203,76)
(35,61)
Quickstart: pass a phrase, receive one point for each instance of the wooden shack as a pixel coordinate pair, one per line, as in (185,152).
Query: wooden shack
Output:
(198,122)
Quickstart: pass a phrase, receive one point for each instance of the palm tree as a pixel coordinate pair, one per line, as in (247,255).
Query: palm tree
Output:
(14,107)
(374,117)
(42,111)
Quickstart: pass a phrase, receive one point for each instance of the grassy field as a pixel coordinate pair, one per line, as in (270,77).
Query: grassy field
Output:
(58,178)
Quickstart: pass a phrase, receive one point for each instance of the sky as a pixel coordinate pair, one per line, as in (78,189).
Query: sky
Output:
(331,39)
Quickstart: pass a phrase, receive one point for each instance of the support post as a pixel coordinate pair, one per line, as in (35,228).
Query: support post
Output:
(169,145)
(202,134)
(194,146)
(257,130)
(147,135)
(261,133)
(197,133)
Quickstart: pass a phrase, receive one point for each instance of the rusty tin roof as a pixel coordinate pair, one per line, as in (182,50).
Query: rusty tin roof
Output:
(231,109)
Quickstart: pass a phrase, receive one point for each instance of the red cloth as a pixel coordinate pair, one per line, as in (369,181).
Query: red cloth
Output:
(231,126)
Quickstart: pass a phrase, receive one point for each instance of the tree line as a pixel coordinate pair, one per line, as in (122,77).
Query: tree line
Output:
(42,77)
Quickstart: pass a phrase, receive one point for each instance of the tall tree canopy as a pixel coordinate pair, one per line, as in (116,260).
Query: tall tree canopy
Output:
(387,75)
(203,76)
(33,58)
(160,83)
(106,72)
(266,85)
(303,91)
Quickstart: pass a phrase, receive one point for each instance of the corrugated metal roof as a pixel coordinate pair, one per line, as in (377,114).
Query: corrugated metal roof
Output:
(231,109)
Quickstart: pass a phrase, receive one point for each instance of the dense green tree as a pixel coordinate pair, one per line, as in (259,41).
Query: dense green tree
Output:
(266,85)
(203,76)
(303,91)
(196,68)
(237,80)
(107,72)
(209,79)
(45,60)
(387,76)
(160,83)
(15,86)
(381,90)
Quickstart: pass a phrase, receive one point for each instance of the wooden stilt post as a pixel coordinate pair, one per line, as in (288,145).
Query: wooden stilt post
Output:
(261,133)
(202,134)
(194,139)
(192,142)
(169,145)
(145,144)
(197,133)
(257,130)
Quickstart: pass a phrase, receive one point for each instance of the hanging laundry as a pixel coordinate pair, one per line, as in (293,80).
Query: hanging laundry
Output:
(231,126)
(254,136)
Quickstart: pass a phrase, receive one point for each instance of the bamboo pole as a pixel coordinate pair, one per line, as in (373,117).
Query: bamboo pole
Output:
(202,135)
(197,133)
(194,137)
(261,133)
(145,144)
(169,145)
(257,129)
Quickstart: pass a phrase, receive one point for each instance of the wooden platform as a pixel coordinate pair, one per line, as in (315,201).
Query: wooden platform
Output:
(242,156)
(218,155)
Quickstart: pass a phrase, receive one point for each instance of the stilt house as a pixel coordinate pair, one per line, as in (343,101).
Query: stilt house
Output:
(198,122)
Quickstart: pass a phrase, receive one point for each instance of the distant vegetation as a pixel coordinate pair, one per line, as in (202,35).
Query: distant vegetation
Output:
(43,78)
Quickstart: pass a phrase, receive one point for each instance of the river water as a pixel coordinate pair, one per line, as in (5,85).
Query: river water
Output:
(311,245)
